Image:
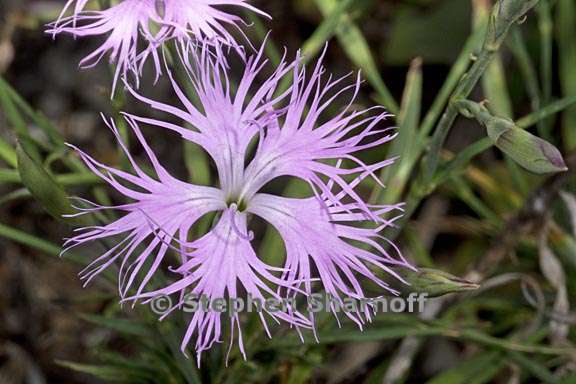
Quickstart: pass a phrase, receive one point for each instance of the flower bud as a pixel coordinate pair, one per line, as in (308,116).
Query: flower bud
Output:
(529,151)
(435,282)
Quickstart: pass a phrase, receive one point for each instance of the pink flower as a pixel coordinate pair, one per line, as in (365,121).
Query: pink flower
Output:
(129,21)
(332,239)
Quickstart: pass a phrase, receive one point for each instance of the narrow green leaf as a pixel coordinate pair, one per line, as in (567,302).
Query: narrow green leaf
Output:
(110,373)
(406,145)
(69,179)
(45,189)
(301,374)
(8,153)
(37,117)
(272,246)
(528,70)
(325,30)
(357,49)
(424,330)
(534,367)
(130,327)
(509,12)
(461,160)
(466,194)
(370,334)
(570,379)
(456,73)
(15,195)
(9,176)
(12,113)
(420,253)
(545,28)
(260,31)
(566,30)
(496,89)
(546,111)
(29,240)
(479,369)
(32,241)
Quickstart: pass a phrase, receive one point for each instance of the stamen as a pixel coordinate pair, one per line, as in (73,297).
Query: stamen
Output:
(233,211)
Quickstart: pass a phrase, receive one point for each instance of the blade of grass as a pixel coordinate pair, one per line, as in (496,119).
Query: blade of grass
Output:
(545,112)
(404,146)
(197,163)
(67,180)
(545,28)
(465,193)
(356,47)
(32,241)
(8,153)
(477,370)
(520,52)
(15,195)
(326,29)
(12,113)
(37,117)
(424,330)
(533,367)
(566,30)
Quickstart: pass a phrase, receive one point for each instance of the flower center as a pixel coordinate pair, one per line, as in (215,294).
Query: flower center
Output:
(240,204)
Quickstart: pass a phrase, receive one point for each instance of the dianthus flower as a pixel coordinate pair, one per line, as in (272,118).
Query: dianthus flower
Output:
(152,21)
(332,239)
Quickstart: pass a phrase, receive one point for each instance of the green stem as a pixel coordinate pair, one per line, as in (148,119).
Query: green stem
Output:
(504,15)
(543,113)
(31,241)
(67,180)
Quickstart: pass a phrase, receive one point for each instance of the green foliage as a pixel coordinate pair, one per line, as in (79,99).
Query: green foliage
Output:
(436,36)
(46,189)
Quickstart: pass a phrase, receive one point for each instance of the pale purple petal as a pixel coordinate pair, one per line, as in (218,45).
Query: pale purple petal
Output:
(319,234)
(163,209)
(130,21)
(227,120)
(122,24)
(300,142)
(221,261)
(334,239)
(204,20)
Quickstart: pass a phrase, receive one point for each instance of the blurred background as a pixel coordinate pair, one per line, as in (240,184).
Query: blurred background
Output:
(485,219)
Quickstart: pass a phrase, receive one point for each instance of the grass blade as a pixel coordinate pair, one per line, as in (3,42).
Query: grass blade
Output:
(356,47)
(566,30)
